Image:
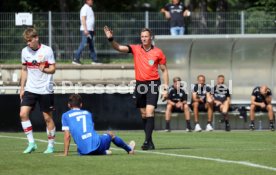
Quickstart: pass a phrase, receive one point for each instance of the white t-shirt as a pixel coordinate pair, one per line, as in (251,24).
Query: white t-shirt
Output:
(87,11)
(37,81)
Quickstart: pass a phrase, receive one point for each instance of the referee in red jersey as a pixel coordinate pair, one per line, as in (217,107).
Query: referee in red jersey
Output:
(147,58)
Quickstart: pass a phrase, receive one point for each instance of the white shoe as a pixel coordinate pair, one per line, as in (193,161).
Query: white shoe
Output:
(132,146)
(108,152)
(209,127)
(96,63)
(197,128)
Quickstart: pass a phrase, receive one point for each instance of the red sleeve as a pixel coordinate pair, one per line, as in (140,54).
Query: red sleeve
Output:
(162,58)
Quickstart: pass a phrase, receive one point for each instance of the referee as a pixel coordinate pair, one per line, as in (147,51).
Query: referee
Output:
(147,58)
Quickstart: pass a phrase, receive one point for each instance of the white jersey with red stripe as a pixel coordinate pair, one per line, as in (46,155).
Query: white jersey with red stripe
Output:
(37,81)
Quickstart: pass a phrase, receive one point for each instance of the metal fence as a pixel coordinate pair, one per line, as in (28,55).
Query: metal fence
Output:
(61,30)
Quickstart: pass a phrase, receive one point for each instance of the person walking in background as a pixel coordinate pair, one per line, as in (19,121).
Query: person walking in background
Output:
(87,30)
(261,98)
(79,124)
(147,59)
(177,102)
(175,13)
(38,67)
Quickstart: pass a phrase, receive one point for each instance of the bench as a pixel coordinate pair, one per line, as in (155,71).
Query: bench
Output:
(236,120)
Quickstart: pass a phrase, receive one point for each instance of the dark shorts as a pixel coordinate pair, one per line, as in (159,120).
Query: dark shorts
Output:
(217,108)
(259,109)
(46,101)
(146,93)
(105,140)
(201,107)
(177,110)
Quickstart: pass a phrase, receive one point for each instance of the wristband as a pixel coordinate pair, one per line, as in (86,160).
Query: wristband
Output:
(110,39)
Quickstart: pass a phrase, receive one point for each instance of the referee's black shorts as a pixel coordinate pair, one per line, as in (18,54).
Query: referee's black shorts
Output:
(46,101)
(146,93)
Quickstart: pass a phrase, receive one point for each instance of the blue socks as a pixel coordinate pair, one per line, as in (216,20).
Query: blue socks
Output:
(120,143)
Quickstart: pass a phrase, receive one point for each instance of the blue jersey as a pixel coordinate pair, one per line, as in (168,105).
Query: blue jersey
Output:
(81,126)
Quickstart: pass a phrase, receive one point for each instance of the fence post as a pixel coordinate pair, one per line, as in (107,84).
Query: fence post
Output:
(242,22)
(146,19)
(50,28)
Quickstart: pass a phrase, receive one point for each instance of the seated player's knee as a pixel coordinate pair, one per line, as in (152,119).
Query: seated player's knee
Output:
(269,107)
(195,105)
(252,107)
(112,135)
(169,107)
(186,107)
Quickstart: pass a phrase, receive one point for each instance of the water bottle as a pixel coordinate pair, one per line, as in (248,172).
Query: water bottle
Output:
(260,125)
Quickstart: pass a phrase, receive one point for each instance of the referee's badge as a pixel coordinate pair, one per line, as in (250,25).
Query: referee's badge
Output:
(151,62)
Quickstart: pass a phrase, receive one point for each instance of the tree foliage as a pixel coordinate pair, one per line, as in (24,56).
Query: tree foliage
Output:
(130,5)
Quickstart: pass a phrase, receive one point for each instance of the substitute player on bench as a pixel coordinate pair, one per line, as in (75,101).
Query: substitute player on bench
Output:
(177,102)
(202,101)
(261,98)
(222,100)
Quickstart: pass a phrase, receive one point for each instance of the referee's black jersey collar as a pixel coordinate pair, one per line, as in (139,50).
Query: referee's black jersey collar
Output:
(151,47)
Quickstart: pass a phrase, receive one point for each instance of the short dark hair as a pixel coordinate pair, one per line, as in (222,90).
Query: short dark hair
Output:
(75,100)
(175,79)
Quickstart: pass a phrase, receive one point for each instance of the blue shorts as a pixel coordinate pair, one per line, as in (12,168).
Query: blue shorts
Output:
(105,140)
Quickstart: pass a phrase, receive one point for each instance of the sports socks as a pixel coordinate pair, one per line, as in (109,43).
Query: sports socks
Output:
(188,124)
(168,124)
(149,128)
(28,130)
(51,137)
(120,143)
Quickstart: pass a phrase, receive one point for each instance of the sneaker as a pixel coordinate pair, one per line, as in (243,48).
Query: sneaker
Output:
(49,150)
(96,63)
(227,127)
(198,128)
(108,152)
(132,147)
(189,129)
(31,147)
(209,127)
(76,62)
(167,130)
(251,127)
(271,127)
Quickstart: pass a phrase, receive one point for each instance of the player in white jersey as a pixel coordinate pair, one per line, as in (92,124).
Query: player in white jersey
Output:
(38,67)
(79,123)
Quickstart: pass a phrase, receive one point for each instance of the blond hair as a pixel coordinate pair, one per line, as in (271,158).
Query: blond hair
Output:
(30,33)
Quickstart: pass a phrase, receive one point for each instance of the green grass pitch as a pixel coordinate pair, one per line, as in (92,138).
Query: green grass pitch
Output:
(177,153)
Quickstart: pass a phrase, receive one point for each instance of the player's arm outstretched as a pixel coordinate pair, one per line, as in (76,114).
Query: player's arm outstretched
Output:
(109,34)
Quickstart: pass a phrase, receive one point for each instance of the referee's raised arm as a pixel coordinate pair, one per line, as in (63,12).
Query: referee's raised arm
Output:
(109,34)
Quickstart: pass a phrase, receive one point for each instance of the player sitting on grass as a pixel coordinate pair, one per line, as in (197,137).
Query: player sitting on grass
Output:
(80,125)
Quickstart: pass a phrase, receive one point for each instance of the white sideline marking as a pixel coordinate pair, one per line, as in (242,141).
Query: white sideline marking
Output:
(249,164)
